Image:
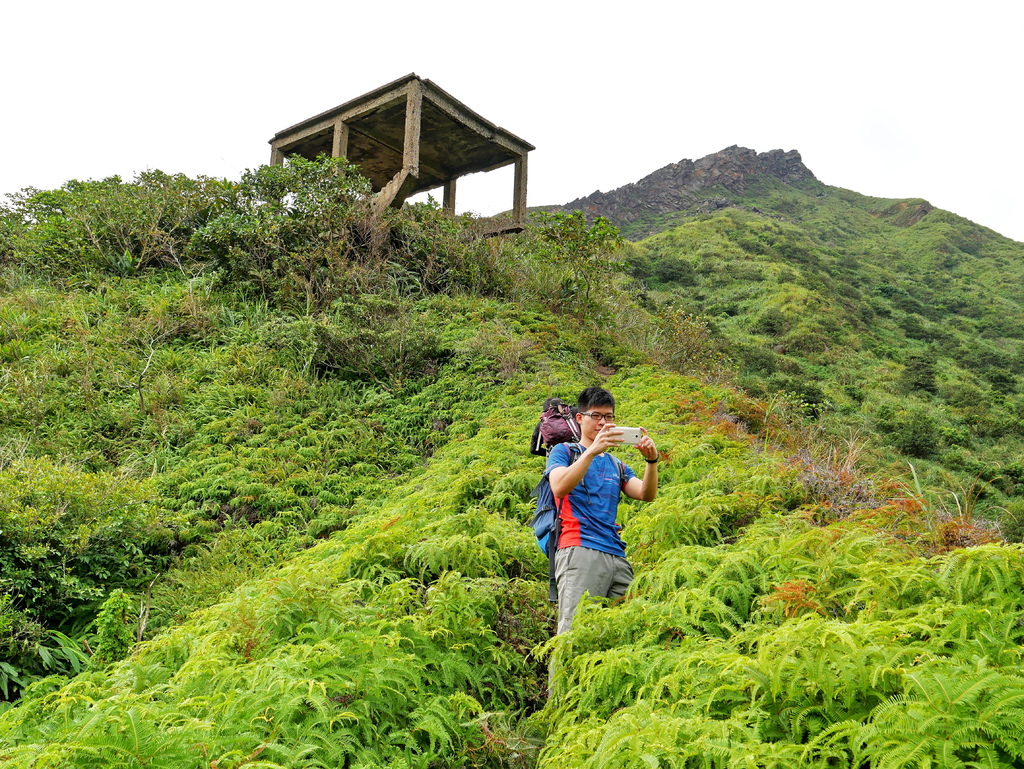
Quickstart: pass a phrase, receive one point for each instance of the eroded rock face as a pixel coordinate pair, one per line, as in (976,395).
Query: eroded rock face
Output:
(681,186)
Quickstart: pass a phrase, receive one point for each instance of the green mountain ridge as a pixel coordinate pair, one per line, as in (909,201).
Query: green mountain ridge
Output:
(888,318)
(283,437)
(735,176)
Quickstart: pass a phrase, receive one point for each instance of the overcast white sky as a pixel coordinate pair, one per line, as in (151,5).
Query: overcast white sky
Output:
(892,99)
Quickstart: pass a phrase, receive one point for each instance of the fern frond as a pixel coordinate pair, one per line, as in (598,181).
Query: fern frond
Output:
(985,573)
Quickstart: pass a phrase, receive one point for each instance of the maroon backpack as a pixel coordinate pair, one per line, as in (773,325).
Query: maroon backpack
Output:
(557,425)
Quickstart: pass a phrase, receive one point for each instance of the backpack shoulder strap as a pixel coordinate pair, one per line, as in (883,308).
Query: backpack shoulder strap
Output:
(575,451)
(622,472)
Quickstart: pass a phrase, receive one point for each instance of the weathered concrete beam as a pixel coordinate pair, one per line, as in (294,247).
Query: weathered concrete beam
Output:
(344,113)
(400,151)
(395,192)
(298,138)
(365,108)
(460,113)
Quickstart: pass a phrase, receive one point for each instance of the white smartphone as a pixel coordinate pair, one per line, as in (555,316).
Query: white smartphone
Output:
(630,435)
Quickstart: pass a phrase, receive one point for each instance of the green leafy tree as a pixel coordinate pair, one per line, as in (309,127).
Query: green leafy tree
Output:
(584,251)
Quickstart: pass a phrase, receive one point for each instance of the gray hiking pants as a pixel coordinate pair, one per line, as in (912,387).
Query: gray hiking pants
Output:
(580,570)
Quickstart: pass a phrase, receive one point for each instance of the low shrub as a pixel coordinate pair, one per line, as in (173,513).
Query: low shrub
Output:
(69,534)
(111,226)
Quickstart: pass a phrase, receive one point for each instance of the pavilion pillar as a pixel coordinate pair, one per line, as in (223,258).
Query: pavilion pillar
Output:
(413,120)
(449,196)
(339,146)
(404,182)
(519,193)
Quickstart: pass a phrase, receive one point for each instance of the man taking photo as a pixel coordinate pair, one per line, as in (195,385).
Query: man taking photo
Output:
(591,557)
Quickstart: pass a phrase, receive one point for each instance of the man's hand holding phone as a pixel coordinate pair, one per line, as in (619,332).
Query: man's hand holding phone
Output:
(611,435)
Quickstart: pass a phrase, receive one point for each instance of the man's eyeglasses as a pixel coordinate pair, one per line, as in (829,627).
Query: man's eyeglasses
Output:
(599,417)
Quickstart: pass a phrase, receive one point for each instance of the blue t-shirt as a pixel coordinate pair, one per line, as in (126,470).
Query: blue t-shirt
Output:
(588,515)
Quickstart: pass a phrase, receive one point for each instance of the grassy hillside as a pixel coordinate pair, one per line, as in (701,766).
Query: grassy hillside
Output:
(887,318)
(282,438)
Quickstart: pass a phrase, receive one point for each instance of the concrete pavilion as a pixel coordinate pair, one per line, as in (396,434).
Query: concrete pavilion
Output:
(407,137)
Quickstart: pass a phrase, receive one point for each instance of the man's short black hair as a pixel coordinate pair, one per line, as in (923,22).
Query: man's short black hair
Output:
(595,396)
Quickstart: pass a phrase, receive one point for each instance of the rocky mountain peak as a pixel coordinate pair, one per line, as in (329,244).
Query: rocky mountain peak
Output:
(684,185)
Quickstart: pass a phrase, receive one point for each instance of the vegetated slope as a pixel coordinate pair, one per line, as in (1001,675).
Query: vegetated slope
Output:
(358,497)
(408,637)
(888,317)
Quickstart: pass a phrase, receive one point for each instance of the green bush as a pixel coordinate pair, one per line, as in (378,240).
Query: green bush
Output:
(913,430)
(115,628)
(771,321)
(674,270)
(11,224)
(301,234)
(372,337)
(754,358)
(30,654)
(68,534)
(309,233)
(113,226)
(919,373)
